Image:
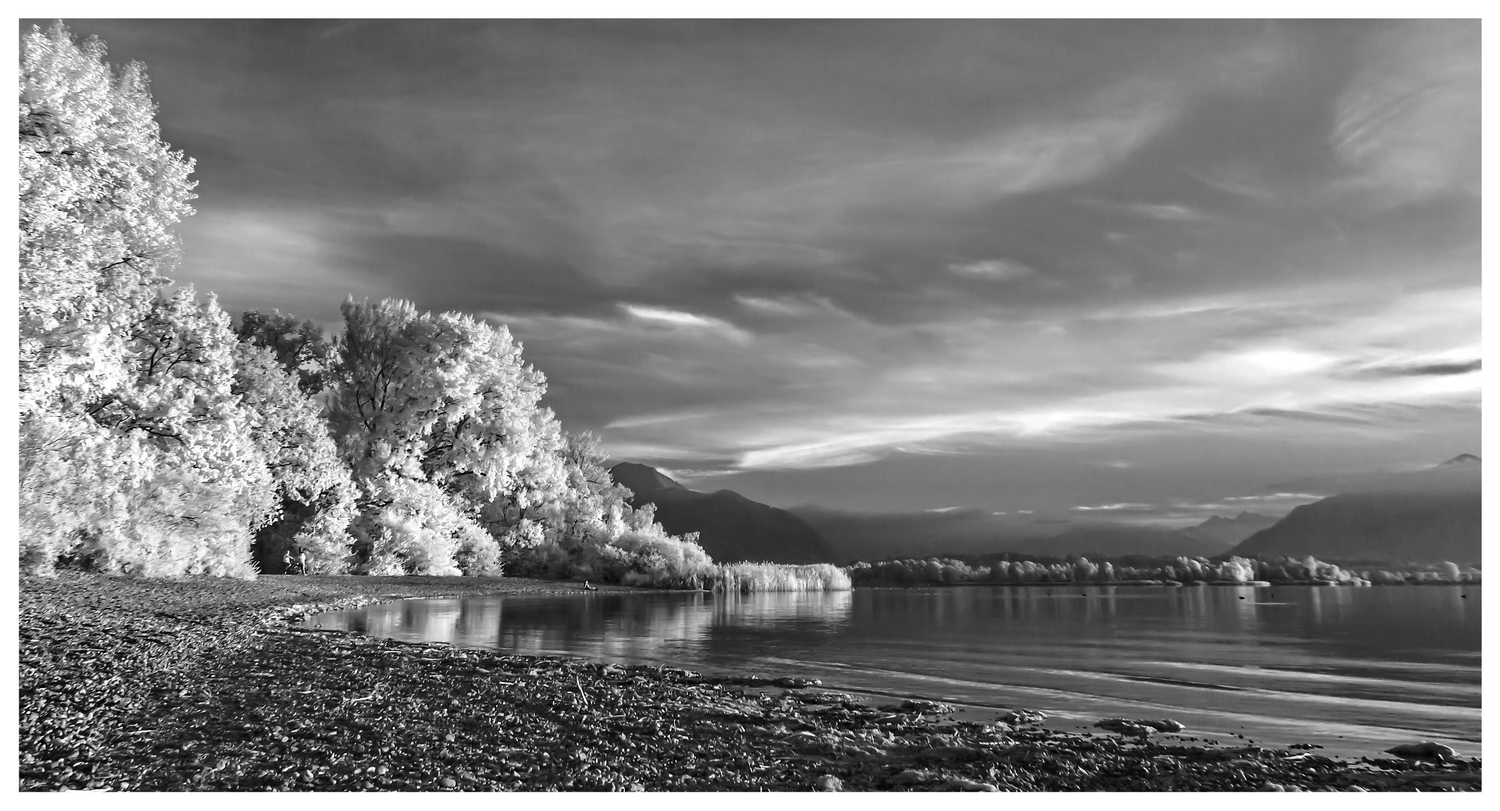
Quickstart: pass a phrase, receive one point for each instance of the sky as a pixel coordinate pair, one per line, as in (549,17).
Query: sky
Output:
(1140,269)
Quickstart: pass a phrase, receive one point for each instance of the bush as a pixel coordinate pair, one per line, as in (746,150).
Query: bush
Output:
(752,577)
(418,529)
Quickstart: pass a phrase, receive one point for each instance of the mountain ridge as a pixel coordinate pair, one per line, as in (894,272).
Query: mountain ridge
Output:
(1230,530)
(1430,515)
(730,526)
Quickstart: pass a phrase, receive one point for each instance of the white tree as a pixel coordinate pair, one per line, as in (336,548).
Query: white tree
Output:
(444,402)
(460,466)
(593,503)
(313,490)
(161,474)
(410,526)
(134,453)
(99,194)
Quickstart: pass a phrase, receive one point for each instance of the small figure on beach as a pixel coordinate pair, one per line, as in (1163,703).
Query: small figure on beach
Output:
(587,587)
(302,561)
(286,562)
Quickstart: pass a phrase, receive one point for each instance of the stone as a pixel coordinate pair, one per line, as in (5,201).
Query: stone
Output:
(1164,725)
(1024,717)
(828,782)
(1425,750)
(921,706)
(1122,726)
(963,784)
(911,777)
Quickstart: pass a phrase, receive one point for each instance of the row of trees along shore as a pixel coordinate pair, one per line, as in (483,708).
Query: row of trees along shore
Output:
(157,439)
(1169,571)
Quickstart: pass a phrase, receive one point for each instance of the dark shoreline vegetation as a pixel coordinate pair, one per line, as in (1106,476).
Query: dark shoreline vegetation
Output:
(203,684)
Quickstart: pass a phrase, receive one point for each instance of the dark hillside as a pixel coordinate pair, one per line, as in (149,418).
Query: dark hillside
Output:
(730,527)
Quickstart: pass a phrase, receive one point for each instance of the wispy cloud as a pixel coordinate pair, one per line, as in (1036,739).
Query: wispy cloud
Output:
(233,252)
(1125,506)
(1170,212)
(676,318)
(1302,415)
(793,306)
(785,212)
(1409,122)
(992,269)
(1273,505)
(674,418)
(1419,369)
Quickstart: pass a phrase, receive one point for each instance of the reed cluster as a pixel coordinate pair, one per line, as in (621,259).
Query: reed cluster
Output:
(745,578)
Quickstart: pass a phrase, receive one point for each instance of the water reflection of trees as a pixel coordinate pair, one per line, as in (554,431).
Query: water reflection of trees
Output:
(771,609)
(609,626)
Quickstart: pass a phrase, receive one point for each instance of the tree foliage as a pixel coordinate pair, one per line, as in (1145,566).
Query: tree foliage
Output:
(298,346)
(158,475)
(138,452)
(99,194)
(438,419)
(313,490)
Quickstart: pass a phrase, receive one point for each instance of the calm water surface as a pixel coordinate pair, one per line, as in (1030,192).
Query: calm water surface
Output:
(1355,670)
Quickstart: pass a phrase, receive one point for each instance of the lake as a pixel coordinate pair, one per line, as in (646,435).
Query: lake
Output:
(1354,670)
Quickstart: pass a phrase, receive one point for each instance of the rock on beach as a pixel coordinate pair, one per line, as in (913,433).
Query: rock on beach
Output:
(1024,717)
(1425,750)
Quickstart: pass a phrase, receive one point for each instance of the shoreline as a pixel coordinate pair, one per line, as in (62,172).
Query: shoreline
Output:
(1257,584)
(205,684)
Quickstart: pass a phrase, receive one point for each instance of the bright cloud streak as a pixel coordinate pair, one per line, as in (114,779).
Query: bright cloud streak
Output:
(1123,506)
(994,269)
(674,317)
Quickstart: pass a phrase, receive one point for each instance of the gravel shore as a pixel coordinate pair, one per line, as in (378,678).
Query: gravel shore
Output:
(204,685)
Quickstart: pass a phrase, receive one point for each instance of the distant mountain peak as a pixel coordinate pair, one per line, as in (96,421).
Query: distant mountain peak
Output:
(643,479)
(1462,459)
(1229,530)
(1244,517)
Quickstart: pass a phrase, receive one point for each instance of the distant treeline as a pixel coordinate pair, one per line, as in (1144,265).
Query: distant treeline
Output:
(1178,570)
